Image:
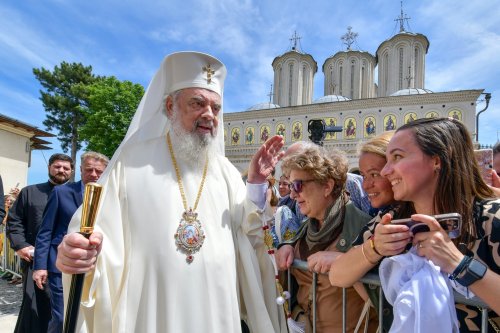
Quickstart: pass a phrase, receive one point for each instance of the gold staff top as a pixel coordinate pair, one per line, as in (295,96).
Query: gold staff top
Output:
(91,198)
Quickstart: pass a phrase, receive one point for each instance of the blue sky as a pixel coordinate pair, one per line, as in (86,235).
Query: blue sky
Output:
(129,38)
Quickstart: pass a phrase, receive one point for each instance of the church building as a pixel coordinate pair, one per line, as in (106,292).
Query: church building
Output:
(352,99)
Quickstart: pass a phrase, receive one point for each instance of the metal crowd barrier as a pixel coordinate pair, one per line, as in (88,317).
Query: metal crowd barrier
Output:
(10,261)
(374,279)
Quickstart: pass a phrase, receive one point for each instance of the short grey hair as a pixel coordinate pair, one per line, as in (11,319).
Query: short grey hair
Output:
(96,156)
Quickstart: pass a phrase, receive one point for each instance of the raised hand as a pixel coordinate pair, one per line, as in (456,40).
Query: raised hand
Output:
(265,160)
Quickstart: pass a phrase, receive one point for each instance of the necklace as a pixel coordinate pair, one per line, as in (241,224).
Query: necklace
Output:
(189,236)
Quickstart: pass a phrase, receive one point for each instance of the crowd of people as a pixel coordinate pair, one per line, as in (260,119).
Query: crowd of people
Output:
(179,240)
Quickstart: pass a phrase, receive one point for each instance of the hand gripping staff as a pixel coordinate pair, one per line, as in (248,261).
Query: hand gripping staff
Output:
(90,204)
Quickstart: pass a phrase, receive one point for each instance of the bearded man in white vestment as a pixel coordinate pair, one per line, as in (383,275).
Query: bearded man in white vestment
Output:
(147,278)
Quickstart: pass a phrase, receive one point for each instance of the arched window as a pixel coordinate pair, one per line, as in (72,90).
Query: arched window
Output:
(340,80)
(352,80)
(386,72)
(416,68)
(331,89)
(305,84)
(290,85)
(400,75)
(363,81)
(278,89)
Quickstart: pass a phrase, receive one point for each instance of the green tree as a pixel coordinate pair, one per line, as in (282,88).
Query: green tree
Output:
(112,104)
(64,97)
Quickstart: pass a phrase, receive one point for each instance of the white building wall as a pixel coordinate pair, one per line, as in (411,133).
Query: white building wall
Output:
(14,157)
(394,71)
(293,79)
(350,74)
(442,104)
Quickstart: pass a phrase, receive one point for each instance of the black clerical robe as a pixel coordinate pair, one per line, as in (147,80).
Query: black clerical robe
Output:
(25,218)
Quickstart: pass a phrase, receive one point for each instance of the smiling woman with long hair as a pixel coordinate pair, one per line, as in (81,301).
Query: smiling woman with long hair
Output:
(430,164)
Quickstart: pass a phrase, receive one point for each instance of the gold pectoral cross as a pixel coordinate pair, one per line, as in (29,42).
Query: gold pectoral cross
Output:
(209,71)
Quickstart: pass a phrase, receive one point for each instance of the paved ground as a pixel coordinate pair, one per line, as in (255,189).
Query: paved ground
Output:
(10,302)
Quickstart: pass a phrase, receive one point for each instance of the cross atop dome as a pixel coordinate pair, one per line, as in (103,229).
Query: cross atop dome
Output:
(402,18)
(349,38)
(295,40)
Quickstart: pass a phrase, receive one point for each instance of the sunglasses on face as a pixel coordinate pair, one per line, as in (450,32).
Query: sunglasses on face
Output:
(298,184)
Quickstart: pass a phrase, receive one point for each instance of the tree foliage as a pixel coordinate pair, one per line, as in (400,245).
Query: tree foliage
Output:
(64,97)
(112,104)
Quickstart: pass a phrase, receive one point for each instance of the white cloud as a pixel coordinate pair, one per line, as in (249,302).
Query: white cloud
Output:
(19,42)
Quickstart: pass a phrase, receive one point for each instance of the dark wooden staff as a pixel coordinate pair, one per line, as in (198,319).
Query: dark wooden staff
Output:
(90,204)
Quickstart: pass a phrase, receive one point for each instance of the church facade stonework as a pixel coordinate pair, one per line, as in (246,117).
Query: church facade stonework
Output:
(360,119)
(352,99)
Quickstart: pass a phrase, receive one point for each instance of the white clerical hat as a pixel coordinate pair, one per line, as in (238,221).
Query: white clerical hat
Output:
(194,70)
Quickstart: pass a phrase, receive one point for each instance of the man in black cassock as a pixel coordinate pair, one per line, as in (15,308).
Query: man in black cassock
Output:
(23,223)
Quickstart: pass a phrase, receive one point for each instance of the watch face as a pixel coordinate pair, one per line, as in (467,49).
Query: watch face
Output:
(477,268)
(474,271)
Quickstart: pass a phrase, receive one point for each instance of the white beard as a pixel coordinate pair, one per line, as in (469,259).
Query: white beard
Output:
(191,148)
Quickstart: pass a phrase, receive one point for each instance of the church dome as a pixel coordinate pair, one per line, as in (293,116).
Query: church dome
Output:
(331,98)
(263,106)
(411,91)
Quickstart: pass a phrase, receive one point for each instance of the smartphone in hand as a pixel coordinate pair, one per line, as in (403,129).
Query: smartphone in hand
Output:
(451,223)
(484,158)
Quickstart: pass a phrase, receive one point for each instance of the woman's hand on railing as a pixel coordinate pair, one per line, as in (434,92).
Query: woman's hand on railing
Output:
(320,262)
(284,257)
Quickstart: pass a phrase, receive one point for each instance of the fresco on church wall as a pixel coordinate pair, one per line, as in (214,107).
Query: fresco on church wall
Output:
(265,133)
(281,130)
(431,114)
(350,128)
(455,114)
(235,136)
(249,136)
(331,122)
(297,131)
(370,127)
(409,117)
(389,122)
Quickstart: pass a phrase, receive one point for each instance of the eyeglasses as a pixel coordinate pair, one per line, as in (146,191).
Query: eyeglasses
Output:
(297,185)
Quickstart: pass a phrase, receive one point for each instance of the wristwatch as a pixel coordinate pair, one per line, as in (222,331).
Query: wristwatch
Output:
(474,271)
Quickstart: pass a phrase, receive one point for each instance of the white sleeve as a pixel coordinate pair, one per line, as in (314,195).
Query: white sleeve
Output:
(257,194)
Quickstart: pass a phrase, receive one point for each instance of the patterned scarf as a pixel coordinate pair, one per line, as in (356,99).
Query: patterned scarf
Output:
(311,238)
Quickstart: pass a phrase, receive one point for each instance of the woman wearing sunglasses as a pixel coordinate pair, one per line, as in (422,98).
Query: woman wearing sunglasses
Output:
(317,182)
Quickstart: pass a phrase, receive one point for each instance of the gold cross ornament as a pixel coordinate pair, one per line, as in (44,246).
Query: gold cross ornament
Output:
(209,71)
